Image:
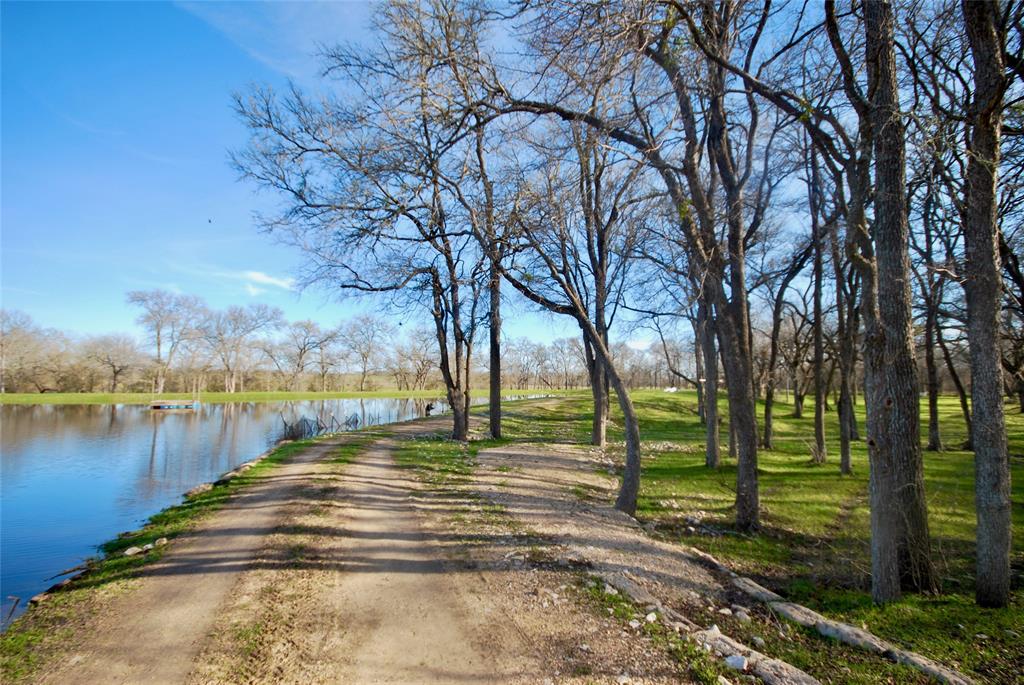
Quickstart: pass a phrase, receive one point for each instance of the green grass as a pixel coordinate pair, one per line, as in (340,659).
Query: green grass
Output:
(219,397)
(814,546)
(50,626)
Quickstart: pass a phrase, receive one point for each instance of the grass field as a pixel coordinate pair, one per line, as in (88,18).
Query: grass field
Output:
(220,397)
(814,544)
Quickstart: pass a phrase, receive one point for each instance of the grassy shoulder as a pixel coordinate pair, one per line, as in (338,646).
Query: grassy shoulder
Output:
(43,631)
(814,547)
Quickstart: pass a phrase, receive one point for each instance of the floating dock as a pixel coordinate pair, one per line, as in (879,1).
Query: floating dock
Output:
(173,404)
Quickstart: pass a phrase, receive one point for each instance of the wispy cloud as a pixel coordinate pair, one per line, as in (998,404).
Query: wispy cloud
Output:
(250,281)
(266,279)
(284,36)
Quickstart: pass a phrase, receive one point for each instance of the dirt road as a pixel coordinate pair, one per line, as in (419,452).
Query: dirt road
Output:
(366,588)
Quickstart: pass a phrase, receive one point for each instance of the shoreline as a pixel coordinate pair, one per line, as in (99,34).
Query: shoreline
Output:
(142,398)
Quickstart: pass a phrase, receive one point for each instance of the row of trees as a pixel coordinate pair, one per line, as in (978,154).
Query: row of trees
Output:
(189,346)
(684,161)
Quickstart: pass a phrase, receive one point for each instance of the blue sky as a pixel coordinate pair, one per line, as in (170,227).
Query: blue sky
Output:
(115,126)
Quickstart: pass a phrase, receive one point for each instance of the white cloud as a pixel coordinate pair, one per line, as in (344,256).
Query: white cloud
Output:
(253,290)
(266,279)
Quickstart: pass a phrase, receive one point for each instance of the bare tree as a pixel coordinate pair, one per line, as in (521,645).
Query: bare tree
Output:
(116,354)
(231,333)
(294,352)
(369,186)
(366,338)
(170,320)
(561,251)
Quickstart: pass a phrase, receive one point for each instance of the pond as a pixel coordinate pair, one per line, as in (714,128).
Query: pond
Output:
(74,476)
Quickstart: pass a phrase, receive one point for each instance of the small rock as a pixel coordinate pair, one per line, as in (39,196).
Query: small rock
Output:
(132,551)
(714,630)
(199,489)
(758,641)
(584,647)
(609,590)
(743,616)
(651,617)
(981,636)
(722,680)
(1012,633)
(622,679)
(634,624)
(147,547)
(725,611)
(737,661)
(160,542)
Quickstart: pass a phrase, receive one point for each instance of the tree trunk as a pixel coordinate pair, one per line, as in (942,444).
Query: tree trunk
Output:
(853,326)
(709,345)
(901,551)
(630,487)
(742,408)
(626,500)
(599,391)
(932,300)
(931,369)
(846,417)
(733,446)
(820,451)
(494,410)
(698,360)
(460,418)
(798,399)
(983,287)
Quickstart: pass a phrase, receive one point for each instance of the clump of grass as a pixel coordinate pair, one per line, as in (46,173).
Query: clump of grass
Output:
(355,444)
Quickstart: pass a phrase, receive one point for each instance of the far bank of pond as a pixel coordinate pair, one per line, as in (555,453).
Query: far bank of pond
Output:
(480,395)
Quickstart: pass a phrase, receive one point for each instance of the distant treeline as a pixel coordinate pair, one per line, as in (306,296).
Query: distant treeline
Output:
(189,346)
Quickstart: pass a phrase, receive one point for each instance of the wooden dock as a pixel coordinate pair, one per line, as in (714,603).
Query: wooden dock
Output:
(163,405)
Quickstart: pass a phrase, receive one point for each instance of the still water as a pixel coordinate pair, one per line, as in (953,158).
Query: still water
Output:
(74,476)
